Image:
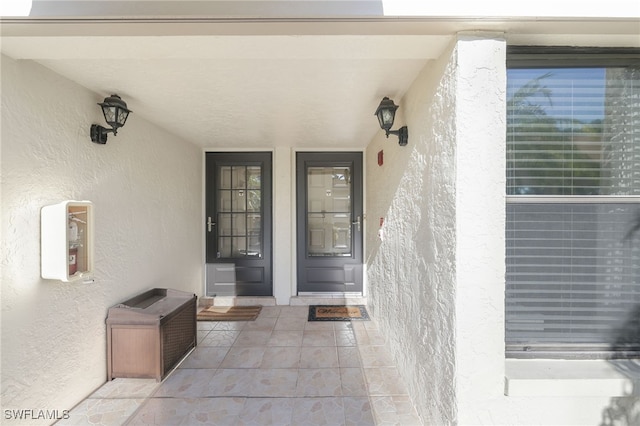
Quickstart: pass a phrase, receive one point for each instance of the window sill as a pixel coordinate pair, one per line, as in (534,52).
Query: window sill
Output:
(541,377)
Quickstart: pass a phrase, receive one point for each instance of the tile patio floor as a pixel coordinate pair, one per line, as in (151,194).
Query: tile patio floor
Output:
(277,370)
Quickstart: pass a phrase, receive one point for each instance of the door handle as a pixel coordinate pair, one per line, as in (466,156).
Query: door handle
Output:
(357,222)
(210,224)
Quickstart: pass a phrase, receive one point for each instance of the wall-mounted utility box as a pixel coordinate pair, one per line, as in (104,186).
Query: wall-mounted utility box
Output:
(66,235)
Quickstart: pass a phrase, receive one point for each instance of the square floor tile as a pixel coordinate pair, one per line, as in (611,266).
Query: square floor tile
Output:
(267,411)
(201,334)
(353,383)
(261,323)
(215,411)
(243,357)
(319,338)
(270,311)
(289,323)
(230,325)
(285,338)
(358,412)
(186,383)
(394,410)
(345,338)
(164,411)
(319,357)
(301,312)
(384,381)
(319,411)
(253,337)
(231,382)
(319,325)
(349,356)
(274,383)
(220,338)
(376,356)
(205,357)
(319,382)
(126,388)
(206,325)
(281,357)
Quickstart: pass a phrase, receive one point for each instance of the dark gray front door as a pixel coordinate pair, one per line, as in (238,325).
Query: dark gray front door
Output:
(238,214)
(329,222)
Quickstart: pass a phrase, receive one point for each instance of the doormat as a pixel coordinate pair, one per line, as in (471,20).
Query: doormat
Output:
(337,313)
(229,313)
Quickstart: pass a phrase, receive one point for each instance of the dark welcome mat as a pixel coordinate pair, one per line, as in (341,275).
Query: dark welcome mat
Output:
(337,312)
(229,313)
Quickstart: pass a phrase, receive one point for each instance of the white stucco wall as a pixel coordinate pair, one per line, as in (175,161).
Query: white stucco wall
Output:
(480,222)
(411,273)
(146,188)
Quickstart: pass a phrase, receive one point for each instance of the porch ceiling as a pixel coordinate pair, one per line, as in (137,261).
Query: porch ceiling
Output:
(265,83)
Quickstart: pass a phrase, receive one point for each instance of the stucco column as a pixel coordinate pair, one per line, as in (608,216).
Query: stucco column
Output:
(480,221)
(283,173)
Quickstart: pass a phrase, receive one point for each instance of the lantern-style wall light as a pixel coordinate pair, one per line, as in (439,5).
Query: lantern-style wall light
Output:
(115,114)
(386,113)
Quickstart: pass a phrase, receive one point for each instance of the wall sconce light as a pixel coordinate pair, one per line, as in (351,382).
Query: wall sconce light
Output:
(386,113)
(115,114)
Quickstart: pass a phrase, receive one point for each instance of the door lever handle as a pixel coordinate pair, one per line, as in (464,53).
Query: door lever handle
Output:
(357,222)
(210,224)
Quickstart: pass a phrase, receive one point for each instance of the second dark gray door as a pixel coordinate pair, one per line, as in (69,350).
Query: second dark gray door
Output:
(329,222)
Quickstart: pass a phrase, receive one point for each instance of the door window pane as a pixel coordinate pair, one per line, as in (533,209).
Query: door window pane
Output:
(239,247)
(239,200)
(239,224)
(224,224)
(224,182)
(254,201)
(225,204)
(254,177)
(240,204)
(239,177)
(329,211)
(225,247)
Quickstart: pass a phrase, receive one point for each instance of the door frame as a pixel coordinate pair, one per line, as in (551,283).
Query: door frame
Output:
(269,214)
(295,215)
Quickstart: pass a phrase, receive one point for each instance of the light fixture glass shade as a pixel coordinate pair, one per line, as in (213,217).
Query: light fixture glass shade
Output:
(386,113)
(115,112)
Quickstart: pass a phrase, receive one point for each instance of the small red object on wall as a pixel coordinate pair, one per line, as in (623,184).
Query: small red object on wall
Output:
(380,158)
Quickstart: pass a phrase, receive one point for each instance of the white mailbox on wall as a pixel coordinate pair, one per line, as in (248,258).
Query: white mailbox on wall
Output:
(66,231)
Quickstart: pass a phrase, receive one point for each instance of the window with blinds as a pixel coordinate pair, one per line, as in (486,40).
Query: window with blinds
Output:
(573,206)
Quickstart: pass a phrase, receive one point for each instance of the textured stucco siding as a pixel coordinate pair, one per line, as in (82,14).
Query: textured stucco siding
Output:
(146,187)
(411,272)
(480,222)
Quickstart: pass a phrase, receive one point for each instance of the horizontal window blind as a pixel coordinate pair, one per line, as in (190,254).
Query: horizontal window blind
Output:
(573,209)
(573,274)
(573,131)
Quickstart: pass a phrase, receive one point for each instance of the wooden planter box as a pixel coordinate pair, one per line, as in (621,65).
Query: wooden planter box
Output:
(149,334)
